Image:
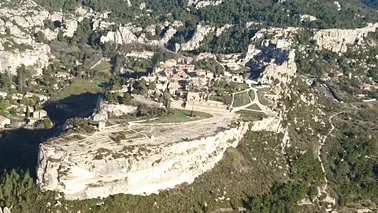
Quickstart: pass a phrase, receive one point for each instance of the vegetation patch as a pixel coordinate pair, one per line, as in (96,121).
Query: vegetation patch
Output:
(78,87)
(104,66)
(252,94)
(352,158)
(247,115)
(180,115)
(261,97)
(254,107)
(241,99)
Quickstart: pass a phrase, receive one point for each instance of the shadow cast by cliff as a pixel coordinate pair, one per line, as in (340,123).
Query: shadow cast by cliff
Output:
(73,106)
(19,148)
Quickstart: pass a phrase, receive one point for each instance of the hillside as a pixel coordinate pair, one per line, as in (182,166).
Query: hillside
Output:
(188,106)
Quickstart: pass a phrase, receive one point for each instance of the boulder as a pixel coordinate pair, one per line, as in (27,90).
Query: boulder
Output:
(6,210)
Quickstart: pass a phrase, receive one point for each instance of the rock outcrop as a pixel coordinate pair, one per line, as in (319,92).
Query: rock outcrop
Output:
(19,22)
(127,34)
(17,46)
(204,3)
(100,167)
(337,40)
(199,35)
(123,35)
(113,109)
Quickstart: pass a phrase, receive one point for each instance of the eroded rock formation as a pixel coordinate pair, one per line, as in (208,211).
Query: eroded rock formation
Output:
(98,167)
(337,40)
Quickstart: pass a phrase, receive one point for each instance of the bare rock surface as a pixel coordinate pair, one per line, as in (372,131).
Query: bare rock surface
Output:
(337,40)
(17,46)
(151,157)
(199,35)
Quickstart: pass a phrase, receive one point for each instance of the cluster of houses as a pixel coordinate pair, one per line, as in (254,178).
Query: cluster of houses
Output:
(23,114)
(180,76)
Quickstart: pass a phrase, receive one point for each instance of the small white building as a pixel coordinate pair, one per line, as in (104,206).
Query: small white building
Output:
(42,98)
(3,94)
(4,121)
(101,125)
(17,96)
(39,114)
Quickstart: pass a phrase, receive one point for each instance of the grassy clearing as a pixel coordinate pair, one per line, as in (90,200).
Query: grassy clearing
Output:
(262,99)
(246,115)
(79,87)
(241,99)
(252,94)
(254,107)
(102,71)
(104,66)
(182,116)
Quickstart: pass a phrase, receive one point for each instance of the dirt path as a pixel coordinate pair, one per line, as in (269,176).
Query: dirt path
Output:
(323,190)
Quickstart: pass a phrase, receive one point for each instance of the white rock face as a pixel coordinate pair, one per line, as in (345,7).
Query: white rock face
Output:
(338,5)
(70,26)
(271,124)
(123,35)
(36,58)
(305,17)
(220,30)
(168,35)
(282,73)
(17,47)
(6,210)
(93,168)
(281,38)
(204,3)
(26,15)
(199,35)
(337,39)
(116,109)
(127,34)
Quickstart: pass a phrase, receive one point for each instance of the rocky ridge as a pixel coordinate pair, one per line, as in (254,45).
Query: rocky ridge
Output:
(17,46)
(337,40)
(101,170)
(199,35)
(18,25)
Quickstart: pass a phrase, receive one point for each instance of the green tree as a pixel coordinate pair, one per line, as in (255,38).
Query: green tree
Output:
(152,86)
(40,37)
(21,77)
(84,30)
(5,81)
(60,36)
(167,100)
(127,98)
(28,102)
(142,87)
(47,123)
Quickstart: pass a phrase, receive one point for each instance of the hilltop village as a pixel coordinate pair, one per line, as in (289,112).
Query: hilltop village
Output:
(216,106)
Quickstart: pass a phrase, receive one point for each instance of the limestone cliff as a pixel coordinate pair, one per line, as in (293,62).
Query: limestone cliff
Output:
(17,46)
(96,166)
(20,21)
(199,35)
(338,40)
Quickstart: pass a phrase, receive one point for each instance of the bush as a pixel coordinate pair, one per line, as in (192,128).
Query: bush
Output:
(47,123)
